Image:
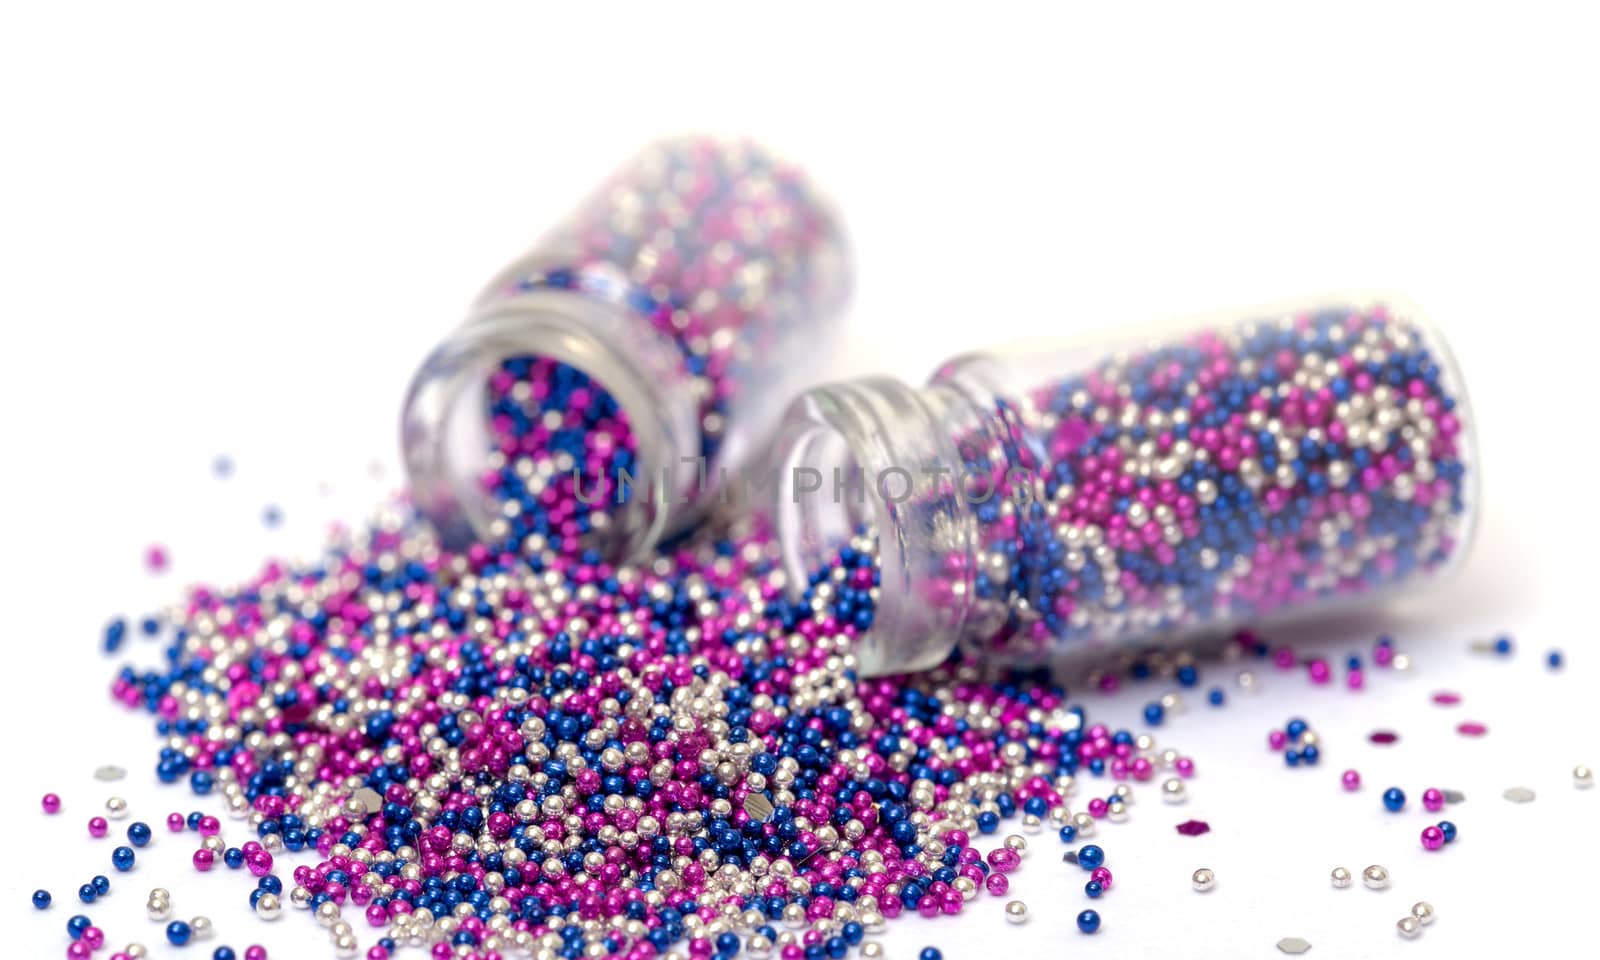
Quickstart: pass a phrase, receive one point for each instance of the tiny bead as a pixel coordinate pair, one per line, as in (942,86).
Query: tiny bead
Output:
(41,899)
(1351,780)
(98,826)
(1394,799)
(178,933)
(1432,800)
(1089,921)
(51,803)
(1432,838)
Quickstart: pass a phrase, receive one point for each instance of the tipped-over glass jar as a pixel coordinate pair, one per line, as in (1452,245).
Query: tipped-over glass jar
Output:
(606,380)
(1029,504)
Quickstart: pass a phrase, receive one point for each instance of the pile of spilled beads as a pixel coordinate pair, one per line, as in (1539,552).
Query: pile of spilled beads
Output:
(499,750)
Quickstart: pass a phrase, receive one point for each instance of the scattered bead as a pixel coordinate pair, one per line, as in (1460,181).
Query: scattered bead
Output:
(1394,799)
(1089,921)
(1408,926)
(178,933)
(98,827)
(1423,911)
(41,899)
(1432,800)
(1204,879)
(51,803)
(1341,878)
(1350,780)
(1448,829)
(1016,912)
(1432,838)
(1375,877)
(1582,777)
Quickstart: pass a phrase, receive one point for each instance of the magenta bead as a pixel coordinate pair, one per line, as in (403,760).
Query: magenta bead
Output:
(51,803)
(77,950)
(1004,859)
(255,952)
(376,952)
(203,859)
(1432,800)
(1185,767)
(1103,875)
(1320,671)
(1351,780)
(119,955)
(1277,740)
(1098,807)
(210,826)
(1355,680)
(94,937)
(1432,838)
(176,822)
(98,826)
(997,884)
(259,862)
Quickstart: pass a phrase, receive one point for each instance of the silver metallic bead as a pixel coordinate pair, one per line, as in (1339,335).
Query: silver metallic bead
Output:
(1017,844)
(872,950)
(1423,911)
(345,946)
(1341,878)
(1124,793)
(1031,823)
(1173,790)
(136,951)
(1204,879)
(1401,661)
(1247,680)
(1084,824)
(200,928)
(158,909)
(758,946)
(1408,927)
(327,913)
(269,907)
(1582,777)
(1016,912)
(1117,811)
(116,808)
(300,898)
(160,893)
(1375,877)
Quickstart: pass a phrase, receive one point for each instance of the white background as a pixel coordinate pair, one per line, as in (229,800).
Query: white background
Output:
(235,230)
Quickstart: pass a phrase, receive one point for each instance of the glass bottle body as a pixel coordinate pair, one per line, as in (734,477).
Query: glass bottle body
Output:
(605,380)
(1029,504)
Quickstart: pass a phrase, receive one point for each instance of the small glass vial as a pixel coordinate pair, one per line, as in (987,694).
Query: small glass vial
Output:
(1031,504)
(607,380)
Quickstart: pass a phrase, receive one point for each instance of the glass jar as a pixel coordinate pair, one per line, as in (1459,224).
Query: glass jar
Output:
(607,381)
(1031,503)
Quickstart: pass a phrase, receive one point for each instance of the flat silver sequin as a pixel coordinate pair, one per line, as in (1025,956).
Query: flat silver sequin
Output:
(1520,795)
(1454,796)
(758,807)
(110,773)
(369,798)
(1294,944)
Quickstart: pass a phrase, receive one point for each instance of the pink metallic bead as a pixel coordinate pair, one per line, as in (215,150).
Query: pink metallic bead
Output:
(1351,780)
(259,862)
(94,937)
(1283,657)
(51,803)
(210,826)
(255,952)
(1432,838)
(1185,767)
(1103,875)
(1355,680)
(375,952)
(1277,740)
(77,950)
(1432,800)
(997,884)
(1319,670)
(98,826)
(1004,859)
(176,822)
(204,859)
(1098,807)
(1383,655)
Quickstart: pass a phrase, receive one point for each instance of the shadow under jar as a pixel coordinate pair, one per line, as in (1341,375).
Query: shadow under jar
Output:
(1034,503)
(606,381)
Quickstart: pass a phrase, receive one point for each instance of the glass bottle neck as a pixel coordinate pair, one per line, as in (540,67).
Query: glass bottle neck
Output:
(445,433)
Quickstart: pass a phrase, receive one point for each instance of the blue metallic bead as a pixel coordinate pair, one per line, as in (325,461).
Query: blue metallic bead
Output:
(101,884)
(1088,921)
(930,953)
(988,822)
(1502,645)
(1216,696)
(41,899)
(270,883)
(233,857)
(77,925)
(224,953)
(1093,889)
(1291,757)
(178,933)
(122,858)
(1448,829)
(86,893)
(1309,754)
(1090,856)
(1069,833)
(1294,728)
(139,833)
(1394,799)
(1553,658)
(1153,714)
